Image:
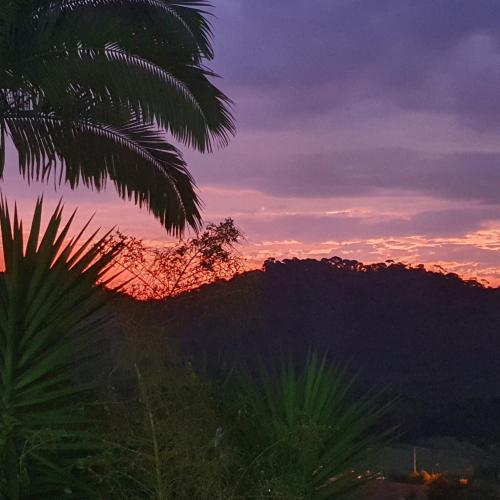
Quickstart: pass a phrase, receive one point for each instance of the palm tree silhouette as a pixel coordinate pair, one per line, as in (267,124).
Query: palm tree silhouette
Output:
(90,89)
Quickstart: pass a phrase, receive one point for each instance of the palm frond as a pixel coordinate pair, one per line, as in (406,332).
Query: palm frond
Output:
(184,22)
(116,92)
(113,75)
(135,157)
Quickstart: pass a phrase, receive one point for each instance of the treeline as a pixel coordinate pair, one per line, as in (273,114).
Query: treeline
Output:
(430,337)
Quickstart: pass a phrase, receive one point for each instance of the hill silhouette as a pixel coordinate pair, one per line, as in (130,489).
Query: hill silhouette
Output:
(432,338)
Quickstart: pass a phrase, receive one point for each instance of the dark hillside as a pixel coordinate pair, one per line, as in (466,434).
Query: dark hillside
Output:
(431,337)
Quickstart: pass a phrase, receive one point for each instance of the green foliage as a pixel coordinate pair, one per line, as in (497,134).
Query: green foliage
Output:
(303,433)
(48,307)
(167,444)
(92,87)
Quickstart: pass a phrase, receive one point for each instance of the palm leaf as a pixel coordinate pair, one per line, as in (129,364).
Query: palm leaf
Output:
(184,22)
(112,76)
(47,298)
(135,157)
(116,77)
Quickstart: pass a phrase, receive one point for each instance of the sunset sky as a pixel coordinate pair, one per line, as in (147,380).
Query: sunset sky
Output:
(366,129)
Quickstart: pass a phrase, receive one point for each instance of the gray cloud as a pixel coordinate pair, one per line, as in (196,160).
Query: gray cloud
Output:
(315,55)
(463,176)
(469,176)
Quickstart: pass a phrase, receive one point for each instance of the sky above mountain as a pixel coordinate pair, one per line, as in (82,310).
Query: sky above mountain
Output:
(369,130)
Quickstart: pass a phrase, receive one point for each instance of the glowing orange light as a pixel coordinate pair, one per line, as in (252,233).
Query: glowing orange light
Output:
(430,477)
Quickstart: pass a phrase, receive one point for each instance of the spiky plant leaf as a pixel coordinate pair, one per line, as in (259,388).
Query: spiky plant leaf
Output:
(49,313)
(305,432)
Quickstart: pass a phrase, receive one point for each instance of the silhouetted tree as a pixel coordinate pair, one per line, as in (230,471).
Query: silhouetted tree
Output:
(163,272)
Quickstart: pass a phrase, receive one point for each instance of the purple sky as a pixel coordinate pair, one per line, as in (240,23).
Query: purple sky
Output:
(366,129)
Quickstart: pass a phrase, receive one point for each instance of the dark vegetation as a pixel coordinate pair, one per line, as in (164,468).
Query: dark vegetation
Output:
(224,384)
(296,431)
(431,338)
